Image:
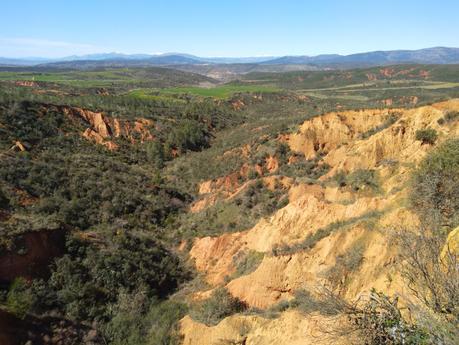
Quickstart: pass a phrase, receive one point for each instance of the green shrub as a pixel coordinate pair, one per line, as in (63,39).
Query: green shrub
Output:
(19,299)
(163,326)
(253,174)
(362,179)
(435,184)
(155,154)
(88,279)
(308,303)
(235,214)
(373,319)
(4,201)
(380,321)
(246,262)
(188,135)
(220,305)
(346,263)
(137,320)
(450,116)
(358,180)
(427,136)
(312,169)
(340,178)
(387,123)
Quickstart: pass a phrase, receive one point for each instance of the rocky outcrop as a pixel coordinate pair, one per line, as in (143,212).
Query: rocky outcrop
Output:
(327,132)
(291,328)
(395,143)
(96,137)
(18,146)
(230,186)
(27,83)
(102,129)
(338,219)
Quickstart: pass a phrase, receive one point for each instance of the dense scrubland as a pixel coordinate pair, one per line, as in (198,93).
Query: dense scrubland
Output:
(132,165)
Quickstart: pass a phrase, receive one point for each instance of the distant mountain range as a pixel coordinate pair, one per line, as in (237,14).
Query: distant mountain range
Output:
(158,59)
(437,55)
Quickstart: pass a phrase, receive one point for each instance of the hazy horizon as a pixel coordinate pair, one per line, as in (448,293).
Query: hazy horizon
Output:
(199,55)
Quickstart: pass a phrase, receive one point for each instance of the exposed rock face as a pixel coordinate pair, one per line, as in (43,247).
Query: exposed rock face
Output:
(452,244)
(272,164)
(229,187)
(96,137)
(388,102)
(327,132)
(291,328)
(18,146)
(27,83)
(102,129)
(390,72)
(352,219)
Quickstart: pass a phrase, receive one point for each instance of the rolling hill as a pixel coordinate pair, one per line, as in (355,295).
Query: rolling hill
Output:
(435,55)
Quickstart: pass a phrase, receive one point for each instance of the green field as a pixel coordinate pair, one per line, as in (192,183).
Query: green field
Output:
(127,78)
(221,92)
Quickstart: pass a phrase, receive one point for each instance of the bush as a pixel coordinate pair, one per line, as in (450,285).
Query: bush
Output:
(427,136)
(432,272)
(155,154)
(138,321)
(88,279)
(19,299)
(247,262)
(163,326)
(450,116)
(81,189)
(358,180)
(340,178)
(220,305)
(313,168)
(4,201)
(188,135)
(434,187)
(391,119)
(379,321)
(234,214)
(362,179)
(374,319)
(307,303)
(346,264)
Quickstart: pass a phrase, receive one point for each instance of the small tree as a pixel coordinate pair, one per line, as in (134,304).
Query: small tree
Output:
(4,202)
(434,187)
(19,299)
(155,154)
(374,319)
(427,136)
(220,305)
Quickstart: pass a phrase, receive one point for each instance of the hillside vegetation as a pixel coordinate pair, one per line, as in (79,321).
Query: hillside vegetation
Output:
(152,206)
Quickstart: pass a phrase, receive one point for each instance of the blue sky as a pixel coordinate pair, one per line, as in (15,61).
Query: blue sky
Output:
(53,28)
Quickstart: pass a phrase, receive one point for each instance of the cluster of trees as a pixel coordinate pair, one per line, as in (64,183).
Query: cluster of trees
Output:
(121,276)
